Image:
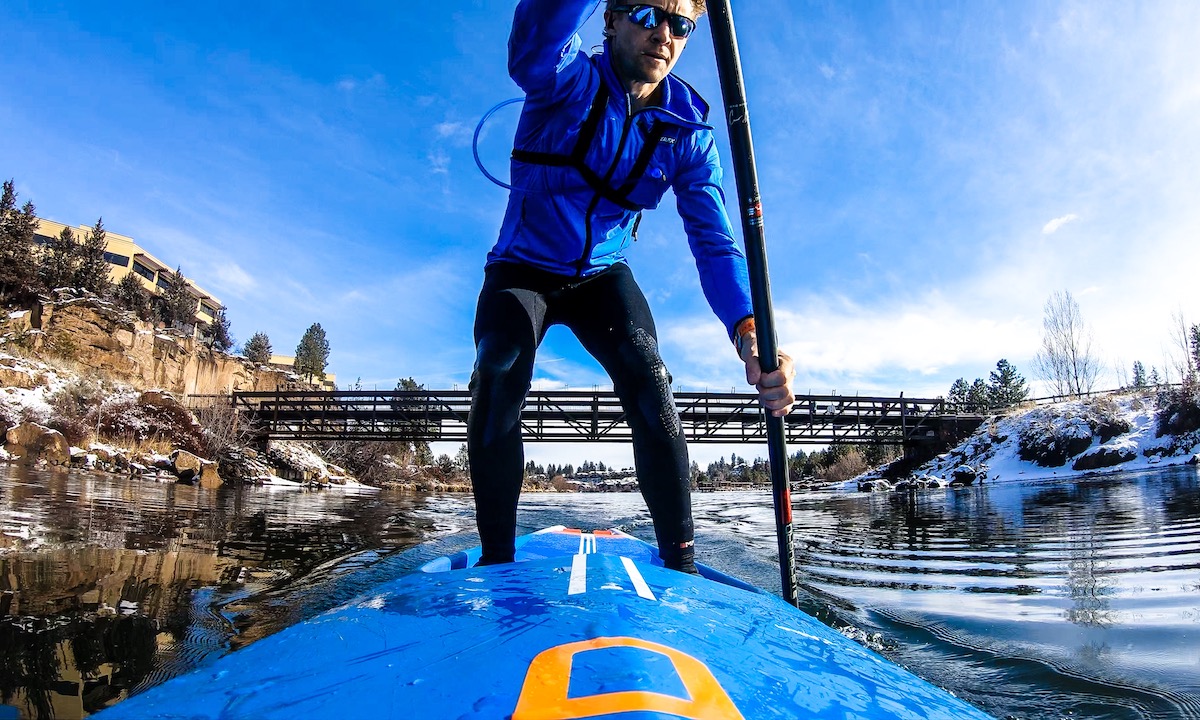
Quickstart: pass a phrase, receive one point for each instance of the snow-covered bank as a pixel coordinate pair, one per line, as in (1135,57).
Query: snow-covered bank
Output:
(54,413)
(1115,433)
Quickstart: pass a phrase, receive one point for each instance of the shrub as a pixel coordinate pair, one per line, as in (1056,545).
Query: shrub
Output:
(1049,441)
(847,466)
(128,420)
(1105,419)
(371,461)
(221,429)
(1178,409)
(73,408)
(64,347)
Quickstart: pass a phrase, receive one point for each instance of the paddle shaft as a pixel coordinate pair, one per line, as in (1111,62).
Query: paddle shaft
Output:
(729,66)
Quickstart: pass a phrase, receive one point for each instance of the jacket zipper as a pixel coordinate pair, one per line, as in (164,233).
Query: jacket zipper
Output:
(591,210)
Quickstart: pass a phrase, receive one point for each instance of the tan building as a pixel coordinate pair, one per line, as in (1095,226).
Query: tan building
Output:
(126,257)
(288,362)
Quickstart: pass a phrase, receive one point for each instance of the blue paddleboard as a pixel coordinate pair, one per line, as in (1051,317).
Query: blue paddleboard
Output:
(584,625)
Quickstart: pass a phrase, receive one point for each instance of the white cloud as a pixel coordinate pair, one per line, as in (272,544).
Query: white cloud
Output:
(1054,225)
(230,276)
(452,130)
(439,162)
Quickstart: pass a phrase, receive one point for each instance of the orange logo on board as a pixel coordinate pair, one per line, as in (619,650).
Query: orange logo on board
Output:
(544,693)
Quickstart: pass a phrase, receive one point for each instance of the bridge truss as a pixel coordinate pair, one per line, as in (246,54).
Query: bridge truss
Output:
(597,416)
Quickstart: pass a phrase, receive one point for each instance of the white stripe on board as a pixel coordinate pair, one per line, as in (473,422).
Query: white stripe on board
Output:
(639,584)
(578,582)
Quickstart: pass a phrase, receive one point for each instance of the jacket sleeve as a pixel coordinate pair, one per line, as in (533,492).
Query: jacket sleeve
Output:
(701,204)
(543,48)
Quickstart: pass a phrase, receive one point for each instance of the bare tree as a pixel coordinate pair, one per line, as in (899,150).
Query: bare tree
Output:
(1066,360)
(1181,352)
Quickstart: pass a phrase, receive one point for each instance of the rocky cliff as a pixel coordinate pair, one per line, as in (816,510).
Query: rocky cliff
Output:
(115,344)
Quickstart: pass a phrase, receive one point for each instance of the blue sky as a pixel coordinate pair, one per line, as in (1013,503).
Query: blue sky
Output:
(931,173)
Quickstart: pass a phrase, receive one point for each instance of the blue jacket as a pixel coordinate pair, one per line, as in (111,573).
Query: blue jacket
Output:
(584,167)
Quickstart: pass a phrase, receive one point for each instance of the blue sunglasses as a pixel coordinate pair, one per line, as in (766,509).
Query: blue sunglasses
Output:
(650,17)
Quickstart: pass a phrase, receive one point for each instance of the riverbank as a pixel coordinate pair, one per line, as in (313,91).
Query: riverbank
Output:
(1120,432)
(64,411)
(85,385)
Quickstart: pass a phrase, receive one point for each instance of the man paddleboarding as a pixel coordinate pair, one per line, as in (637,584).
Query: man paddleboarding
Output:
(600,140)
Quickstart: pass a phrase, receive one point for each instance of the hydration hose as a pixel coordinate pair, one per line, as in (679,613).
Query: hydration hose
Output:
(475,141)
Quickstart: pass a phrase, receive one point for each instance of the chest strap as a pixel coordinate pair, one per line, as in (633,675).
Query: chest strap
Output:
(583,142)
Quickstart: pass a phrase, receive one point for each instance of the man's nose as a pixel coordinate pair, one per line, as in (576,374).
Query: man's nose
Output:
(662,33)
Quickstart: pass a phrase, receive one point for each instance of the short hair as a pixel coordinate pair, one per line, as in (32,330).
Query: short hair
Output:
(697,4)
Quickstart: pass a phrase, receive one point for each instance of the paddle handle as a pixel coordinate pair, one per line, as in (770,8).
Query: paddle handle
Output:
(729,67)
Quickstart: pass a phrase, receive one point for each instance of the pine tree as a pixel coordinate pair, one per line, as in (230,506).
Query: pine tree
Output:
(178,308)
(216,333)
(59,259)
(977,396)
(1006,387)
(258,349)
(1155,380)
(1139,375)
(312,354)
(461,460)
(1195,342)
(91,270)
(959,392)
(133,296)
(18,271)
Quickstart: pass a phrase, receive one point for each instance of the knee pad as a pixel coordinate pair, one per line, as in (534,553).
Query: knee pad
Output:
(651,383)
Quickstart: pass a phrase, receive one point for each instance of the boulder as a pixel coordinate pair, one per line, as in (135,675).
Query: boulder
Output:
(1103,457)
(210,477)
(157,398)
(32,442)
(873,485)
(102,452)
(189,468)
(963,475)
(18,377)
(18,322)
(185,465)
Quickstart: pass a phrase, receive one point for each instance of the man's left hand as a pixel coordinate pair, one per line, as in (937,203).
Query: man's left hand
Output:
(774,388)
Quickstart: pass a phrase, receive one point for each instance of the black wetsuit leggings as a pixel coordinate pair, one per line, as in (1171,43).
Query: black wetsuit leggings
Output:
(609,315)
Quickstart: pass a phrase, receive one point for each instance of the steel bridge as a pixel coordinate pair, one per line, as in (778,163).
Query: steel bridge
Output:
(597,416)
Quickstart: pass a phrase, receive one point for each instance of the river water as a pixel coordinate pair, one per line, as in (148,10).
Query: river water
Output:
(1031,600)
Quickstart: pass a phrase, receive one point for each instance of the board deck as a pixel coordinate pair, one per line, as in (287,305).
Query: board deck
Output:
(584,625)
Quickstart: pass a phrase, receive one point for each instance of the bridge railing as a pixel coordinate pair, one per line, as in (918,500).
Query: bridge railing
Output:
(596,416)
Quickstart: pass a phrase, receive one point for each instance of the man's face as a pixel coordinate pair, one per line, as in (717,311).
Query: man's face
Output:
(646,56)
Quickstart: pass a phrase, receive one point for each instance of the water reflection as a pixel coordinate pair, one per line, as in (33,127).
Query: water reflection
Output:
(109,584)
(1082,593)
(1044,600)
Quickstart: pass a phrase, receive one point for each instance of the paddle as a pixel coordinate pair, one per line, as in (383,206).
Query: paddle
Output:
(729,66)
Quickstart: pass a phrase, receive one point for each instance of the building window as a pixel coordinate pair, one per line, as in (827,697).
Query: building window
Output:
(144,271)
(42,239)
(118,260)
(208,310)
(162,283)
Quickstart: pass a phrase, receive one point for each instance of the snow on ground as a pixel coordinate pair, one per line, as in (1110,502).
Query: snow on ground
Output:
(34,404)
(1110,434)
